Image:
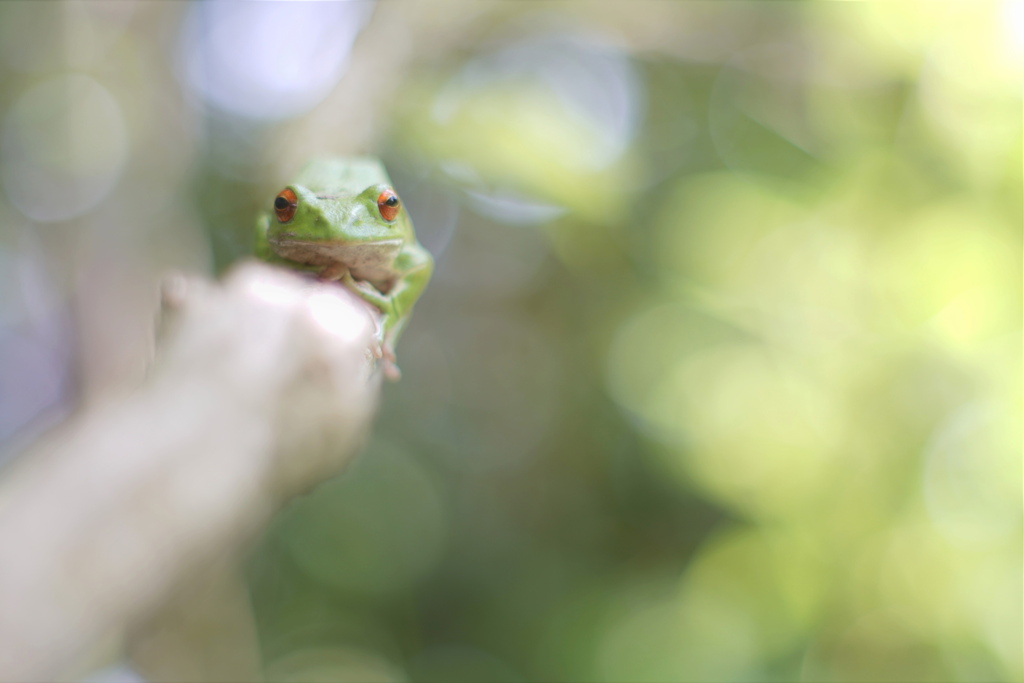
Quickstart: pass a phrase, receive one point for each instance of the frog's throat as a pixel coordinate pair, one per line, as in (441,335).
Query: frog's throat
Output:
(366,260)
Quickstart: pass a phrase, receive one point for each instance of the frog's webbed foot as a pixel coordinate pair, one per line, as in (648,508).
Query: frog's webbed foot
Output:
(382,356)
(381,351)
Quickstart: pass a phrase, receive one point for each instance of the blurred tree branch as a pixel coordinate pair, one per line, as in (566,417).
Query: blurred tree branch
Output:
(261,388)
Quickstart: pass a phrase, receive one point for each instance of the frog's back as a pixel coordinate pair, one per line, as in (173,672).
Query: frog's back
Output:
(343,174)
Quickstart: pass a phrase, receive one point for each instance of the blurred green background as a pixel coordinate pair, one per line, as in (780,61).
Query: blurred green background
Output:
(719,377)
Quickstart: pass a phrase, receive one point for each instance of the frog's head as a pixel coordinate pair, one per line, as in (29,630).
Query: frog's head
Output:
(364,231)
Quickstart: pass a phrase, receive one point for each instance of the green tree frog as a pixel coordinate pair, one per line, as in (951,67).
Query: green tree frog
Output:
(342,220)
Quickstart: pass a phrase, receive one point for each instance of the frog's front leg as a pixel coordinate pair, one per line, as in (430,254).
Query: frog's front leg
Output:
(384,350)
(371,295)
(386,305)
(338,272)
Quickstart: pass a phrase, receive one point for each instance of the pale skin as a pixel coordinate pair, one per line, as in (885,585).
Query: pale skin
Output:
(342,220)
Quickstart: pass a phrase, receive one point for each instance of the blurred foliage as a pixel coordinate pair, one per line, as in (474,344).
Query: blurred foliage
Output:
(719,375)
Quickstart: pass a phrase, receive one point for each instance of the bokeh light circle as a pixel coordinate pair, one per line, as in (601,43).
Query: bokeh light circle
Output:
(62,149)
(268,60)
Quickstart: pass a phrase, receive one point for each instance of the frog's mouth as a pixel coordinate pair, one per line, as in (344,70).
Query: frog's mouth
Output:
(365,260)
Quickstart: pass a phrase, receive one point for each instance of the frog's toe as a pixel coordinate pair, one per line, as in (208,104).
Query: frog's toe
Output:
(391,371)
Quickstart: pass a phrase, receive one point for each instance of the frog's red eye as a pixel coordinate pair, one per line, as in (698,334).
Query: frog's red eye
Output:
(285,204)
(388,204)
